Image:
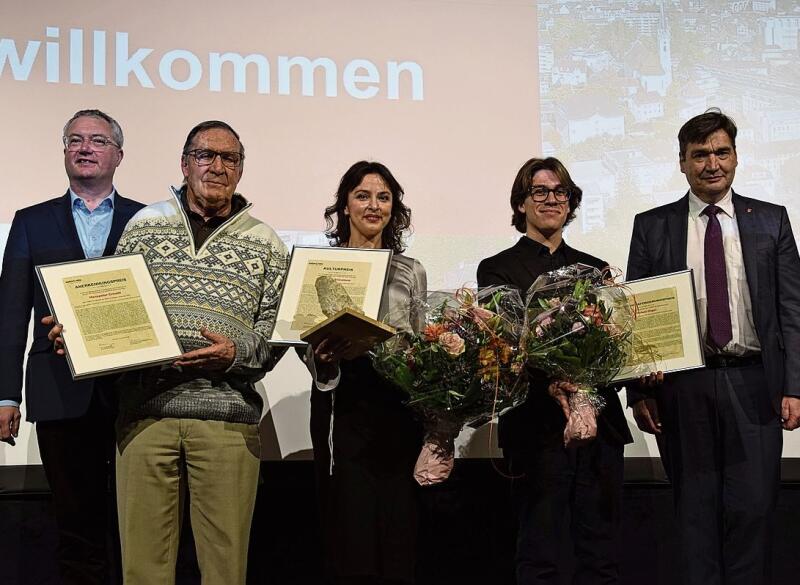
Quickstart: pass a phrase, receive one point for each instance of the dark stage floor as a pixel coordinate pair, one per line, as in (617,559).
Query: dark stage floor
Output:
(467,530)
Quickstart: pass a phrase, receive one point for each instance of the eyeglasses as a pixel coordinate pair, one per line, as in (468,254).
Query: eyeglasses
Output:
(540,194)
(205,157)
(75,142)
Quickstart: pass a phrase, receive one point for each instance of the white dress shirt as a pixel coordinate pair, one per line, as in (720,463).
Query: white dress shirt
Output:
(744,341)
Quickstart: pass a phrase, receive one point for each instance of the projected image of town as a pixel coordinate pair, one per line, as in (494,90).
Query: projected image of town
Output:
(617,80)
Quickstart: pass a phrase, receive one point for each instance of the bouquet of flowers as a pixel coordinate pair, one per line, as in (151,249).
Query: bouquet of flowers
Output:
(465,365)
(579,332)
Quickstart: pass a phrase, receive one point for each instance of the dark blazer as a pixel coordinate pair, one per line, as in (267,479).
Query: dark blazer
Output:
(43,234)
(539,419)
(772,266)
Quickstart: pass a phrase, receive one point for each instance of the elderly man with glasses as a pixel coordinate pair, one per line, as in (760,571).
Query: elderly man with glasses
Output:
(74,420)
(193,426)
(554,482)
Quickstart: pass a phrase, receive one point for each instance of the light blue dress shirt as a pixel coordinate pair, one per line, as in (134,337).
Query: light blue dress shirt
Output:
(93,228)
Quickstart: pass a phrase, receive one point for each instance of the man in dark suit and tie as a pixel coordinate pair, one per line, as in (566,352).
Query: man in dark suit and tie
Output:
(556,481)
(720,426)
(74,420)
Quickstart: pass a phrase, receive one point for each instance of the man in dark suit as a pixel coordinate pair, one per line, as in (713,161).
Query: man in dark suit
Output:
(720,427)
(555,480)
(74,420)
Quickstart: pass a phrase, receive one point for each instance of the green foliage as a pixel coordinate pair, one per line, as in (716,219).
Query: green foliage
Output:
(574,336)
(466,362)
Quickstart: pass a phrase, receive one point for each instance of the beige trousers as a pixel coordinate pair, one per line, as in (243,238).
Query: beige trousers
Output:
(157,461)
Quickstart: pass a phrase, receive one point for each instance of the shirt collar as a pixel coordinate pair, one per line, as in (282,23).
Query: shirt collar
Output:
(697,205)
(74,198)
(238,202)
(540,248)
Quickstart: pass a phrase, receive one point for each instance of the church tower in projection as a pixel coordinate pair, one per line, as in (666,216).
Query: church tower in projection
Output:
(664,48)
(652,64)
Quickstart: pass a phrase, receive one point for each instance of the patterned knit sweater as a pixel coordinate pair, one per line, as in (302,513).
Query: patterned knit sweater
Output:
(230,285)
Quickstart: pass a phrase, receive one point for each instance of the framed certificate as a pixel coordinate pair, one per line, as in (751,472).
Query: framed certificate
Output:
(666,329)
(112,314)
(321,281)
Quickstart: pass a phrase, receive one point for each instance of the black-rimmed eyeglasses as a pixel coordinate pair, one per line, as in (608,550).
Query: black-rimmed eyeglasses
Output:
(540,194)
(205,157)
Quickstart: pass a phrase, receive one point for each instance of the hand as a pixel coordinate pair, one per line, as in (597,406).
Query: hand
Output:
(9,424)
(560,390)
(330,350)
(217,356)
(646,414)
(790,412)
(652,379)
(54,334)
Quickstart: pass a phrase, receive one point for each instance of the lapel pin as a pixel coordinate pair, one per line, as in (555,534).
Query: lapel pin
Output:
(749,210)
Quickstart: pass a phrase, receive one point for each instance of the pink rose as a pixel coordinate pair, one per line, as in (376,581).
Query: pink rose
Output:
(546,322)
(481,313)
(452,343)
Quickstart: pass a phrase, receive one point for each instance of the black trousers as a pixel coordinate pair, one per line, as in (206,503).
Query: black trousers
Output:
(581,484)
(722,447)
(78,459)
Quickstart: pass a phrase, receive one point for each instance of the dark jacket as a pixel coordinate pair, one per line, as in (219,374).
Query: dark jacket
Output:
(772,266)
(44,233)
(540,419)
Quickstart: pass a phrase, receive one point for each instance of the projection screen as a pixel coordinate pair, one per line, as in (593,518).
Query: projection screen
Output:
(452,95)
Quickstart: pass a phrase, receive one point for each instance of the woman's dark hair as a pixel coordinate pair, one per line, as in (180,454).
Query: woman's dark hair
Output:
(522,188)
(337,224)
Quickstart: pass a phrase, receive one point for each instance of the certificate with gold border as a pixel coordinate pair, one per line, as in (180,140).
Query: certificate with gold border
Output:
(112,314)
(322,281)
(666,329)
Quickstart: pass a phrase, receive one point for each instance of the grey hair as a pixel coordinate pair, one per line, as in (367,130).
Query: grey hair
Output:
(116,129)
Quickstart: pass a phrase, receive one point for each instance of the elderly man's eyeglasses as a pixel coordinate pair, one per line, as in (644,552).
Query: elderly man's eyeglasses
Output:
(75,142)
(205,157)
(540,194)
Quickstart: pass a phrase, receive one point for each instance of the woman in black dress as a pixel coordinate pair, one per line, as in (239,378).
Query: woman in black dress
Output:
(365,439)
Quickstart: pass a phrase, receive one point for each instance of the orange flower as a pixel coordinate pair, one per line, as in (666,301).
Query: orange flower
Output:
(505,353)
(589,310)
(594,313)
(486,357)
(432,331)
(489,372)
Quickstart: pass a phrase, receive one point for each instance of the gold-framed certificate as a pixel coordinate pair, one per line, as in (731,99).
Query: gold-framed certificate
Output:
(322,281)
(112,314)
(666,329)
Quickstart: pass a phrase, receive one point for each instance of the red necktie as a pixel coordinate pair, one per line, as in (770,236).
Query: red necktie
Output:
(719,314)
